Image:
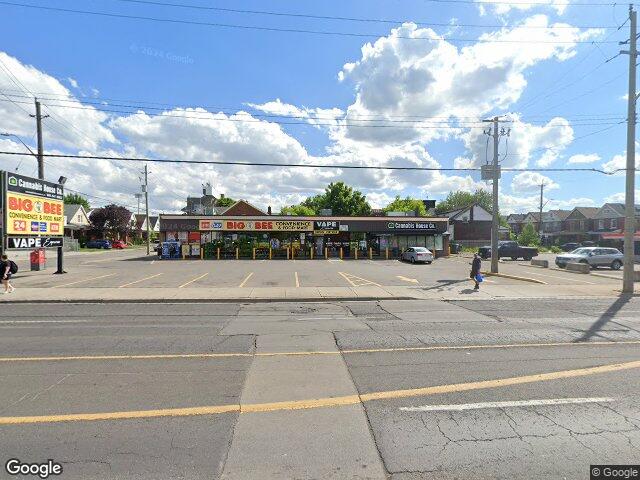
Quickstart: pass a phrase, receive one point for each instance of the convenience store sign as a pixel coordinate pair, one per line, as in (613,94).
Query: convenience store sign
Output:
(257,225)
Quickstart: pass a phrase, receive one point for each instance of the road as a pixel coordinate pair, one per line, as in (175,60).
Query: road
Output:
(389,389)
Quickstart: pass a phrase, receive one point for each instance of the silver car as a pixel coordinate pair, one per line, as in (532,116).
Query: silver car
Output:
(594,256)
(417,254)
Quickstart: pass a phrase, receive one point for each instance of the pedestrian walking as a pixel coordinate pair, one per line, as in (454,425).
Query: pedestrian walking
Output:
(7,268)
(476,265)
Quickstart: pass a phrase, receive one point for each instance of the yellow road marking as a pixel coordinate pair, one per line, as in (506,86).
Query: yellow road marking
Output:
(141,280)
(366,282)
(82,281)
(412,280)
(297,279)
(246,280)
(322,402)
(169,356)
(194,280)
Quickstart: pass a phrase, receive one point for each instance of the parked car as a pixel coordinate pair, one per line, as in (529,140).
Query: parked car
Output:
(588,243)
(509,249)
(119,244)
(106,244)
(417,254)
(570,247)
(594,256)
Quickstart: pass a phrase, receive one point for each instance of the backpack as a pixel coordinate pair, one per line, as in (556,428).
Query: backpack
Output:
(13,267)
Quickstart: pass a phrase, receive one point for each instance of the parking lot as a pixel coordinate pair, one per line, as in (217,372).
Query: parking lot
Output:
(133,269)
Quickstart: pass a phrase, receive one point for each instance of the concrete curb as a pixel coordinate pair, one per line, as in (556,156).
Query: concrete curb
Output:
(515,277)
(211,300)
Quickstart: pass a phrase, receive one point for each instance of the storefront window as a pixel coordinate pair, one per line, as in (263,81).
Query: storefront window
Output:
(438,239)
(430,243)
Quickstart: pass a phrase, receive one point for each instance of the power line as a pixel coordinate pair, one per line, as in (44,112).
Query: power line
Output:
(350,19)
(307,165)
(288,30)
(310,121)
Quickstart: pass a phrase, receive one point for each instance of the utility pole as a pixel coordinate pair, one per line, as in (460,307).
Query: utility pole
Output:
(541,205)
(495,221)
(146,203)
(38,117)
(630,217)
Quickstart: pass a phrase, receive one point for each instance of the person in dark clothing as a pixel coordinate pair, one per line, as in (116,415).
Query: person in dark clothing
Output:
(5,272)
(476,265)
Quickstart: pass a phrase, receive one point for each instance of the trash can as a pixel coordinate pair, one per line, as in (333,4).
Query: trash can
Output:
(455,248)
(38,260)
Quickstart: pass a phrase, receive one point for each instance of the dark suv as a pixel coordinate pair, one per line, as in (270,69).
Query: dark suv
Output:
(106,244)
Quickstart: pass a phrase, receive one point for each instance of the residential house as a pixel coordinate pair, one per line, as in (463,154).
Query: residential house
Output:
(76,220)
(608,226)
(470,225)
(516,222)
(577,225)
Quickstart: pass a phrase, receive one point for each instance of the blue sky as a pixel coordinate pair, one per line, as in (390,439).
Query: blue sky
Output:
(543,87)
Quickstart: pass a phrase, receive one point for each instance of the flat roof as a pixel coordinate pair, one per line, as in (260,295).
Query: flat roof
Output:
(301,218)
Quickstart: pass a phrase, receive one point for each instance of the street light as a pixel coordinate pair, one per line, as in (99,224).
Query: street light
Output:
(6,134)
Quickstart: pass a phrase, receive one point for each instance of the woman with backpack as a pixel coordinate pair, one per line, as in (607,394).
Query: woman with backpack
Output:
(7,267)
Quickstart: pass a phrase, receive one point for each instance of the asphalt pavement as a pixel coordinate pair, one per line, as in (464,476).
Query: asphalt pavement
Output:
(388,389)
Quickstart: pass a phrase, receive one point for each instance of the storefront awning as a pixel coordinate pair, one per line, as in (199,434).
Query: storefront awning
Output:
(618,236)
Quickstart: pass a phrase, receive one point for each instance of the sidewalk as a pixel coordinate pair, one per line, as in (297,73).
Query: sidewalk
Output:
(458,291)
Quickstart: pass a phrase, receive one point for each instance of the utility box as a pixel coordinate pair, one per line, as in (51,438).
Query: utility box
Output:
(38,259)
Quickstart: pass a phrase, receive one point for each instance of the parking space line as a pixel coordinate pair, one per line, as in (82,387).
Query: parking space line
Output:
(245,280)
(328,402)
(517,403)
(406,279)
(366,282)
(82,281)
(563,278)
(194,280)
(141,280)
(297,279)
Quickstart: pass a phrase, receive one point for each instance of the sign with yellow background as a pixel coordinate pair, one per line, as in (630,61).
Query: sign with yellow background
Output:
(32,215)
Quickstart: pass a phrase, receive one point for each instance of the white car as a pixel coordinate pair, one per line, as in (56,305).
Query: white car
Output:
(417,254)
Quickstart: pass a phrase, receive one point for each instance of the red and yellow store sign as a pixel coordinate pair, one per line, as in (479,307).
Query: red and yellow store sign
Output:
(257,225)
(32,215)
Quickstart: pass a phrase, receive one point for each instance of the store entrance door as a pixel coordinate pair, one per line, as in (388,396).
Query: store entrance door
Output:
(319,247)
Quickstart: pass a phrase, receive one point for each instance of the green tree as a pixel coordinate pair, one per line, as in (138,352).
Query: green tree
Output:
(461,199)
(225,202)
(341,199)
(406,205)
(299,210)
(529,237)
(76,199)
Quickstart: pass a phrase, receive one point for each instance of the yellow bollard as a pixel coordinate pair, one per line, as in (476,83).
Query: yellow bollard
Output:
(370,253)
(287,253)
(254,253)
(201,253)
(340,253)
(326,253)
(311,253)
(355,251)
(218,256)
(237,253)
(270,253)
(386,254)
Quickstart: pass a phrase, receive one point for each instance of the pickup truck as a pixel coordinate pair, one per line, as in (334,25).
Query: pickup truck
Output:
(510,249)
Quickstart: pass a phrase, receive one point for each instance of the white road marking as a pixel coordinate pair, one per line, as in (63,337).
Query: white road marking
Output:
(14,322)
(245,280)
(297,280)
(82,281)
(194,280)
(518,403)
(412,280)
(141,280)
(348,277)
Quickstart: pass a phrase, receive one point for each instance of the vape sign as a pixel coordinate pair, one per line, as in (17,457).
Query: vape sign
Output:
(28,243)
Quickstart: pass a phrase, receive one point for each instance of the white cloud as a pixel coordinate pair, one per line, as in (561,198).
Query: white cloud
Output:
(530,181)
(618,164)
(502,8)
(73,82)
(517,204)
(620,197)
(584,158)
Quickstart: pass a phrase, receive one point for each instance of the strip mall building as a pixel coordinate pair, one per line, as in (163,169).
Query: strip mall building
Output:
(273,236)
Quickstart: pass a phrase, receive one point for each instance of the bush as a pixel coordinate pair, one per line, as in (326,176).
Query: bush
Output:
(556,249)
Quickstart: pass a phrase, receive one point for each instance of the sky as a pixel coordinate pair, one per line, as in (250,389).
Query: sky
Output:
(390,83)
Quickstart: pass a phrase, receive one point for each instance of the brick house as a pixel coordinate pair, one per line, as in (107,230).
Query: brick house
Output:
(470,225)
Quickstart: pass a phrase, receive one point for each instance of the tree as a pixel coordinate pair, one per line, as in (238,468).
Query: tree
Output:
(406,205)
(111,220)
(225,202)
(529,237)
(341,199)
(299,210)
(462,199)
(76,199)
